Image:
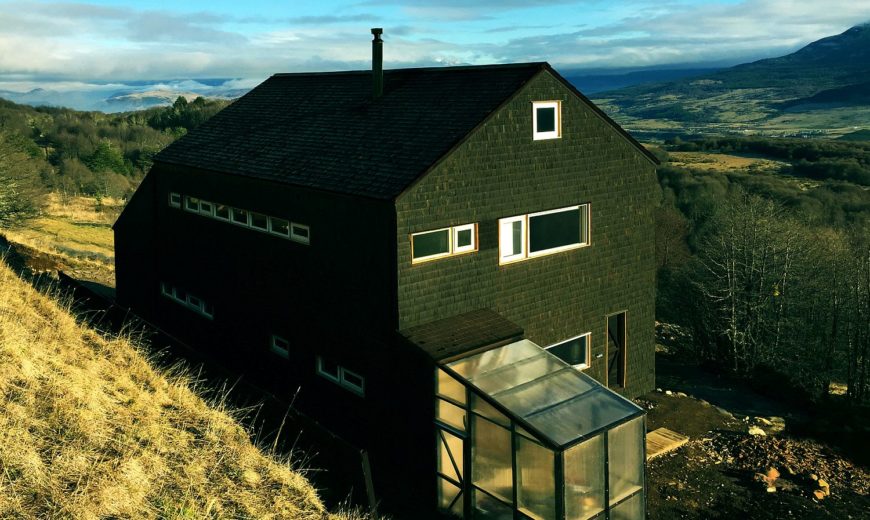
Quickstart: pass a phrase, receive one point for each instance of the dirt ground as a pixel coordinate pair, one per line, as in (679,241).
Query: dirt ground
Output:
(720,472)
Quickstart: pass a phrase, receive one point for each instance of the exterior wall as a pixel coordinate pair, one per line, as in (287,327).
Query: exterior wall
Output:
(332,297)
(499,171)
(134,251)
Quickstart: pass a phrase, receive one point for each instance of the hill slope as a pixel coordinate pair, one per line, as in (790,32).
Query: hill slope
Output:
(89,430)
(819,87)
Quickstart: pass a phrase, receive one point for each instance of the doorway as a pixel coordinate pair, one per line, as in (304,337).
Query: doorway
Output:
(616,350)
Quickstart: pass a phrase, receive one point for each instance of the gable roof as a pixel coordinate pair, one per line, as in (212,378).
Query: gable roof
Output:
(324,131)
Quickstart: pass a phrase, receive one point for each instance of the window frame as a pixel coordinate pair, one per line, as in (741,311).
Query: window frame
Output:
(524,240)
(556,105)
(436,255)
(588,353)
(452,250)
(527,253)
(176,204)
(335,378)
(190,301)
(340,377)
(277,349)
(353,387)
(188,201)
(302,239)
(454,239)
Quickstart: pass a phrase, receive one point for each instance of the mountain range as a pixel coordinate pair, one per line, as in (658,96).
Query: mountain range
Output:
(825,86)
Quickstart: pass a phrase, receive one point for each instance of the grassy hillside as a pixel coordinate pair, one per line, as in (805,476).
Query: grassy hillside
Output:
(89,430)
(821,88)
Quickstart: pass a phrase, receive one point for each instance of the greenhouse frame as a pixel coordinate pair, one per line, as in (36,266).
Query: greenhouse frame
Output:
(521,434)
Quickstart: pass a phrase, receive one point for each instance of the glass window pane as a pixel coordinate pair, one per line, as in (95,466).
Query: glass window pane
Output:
(431,243)
(280,226)
(631,509)
(625,459)
(584,479)
(546,119)
(491,458)
(447,386)
(516,237)
(463,238)
(222,211)
(488,508)
(554,230)
(259,221)
(487,410)
(240,216)
(574,351)
(451,414)
(191,203)
(448,494)
(450,457)
(536,479)
(300,233)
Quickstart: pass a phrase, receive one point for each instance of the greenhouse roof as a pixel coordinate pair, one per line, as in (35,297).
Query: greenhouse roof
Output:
(551,397)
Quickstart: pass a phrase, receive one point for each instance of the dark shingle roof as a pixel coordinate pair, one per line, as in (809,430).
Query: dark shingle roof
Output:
(447,338)
(322,130)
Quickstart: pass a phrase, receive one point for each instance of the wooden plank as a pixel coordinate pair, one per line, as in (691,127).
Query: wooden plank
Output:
(663,441)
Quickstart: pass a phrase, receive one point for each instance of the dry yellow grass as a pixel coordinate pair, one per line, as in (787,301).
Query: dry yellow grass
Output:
(89,430)
(722,162)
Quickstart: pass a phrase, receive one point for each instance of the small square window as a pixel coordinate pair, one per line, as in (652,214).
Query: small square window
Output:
(546,120)
(175,200)
(259,221)
(206,208)
(279,226)
(191,204)
(328,370)
(280,346)
(300,233)
(464,238)
(353,381)
(240,216)
(222,211)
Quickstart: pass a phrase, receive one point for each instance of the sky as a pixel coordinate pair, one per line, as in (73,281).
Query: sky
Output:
(109,40)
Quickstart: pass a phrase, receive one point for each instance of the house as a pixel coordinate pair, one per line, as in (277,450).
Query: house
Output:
(454,264)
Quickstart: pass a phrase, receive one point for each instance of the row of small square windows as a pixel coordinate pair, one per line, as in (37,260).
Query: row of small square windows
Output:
(257,221)
(520,237)
(333,372)
(338,374)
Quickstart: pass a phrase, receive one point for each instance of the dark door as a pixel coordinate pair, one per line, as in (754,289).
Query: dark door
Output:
(616,344)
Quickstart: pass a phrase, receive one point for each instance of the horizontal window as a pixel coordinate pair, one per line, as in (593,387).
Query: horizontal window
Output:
(294,231)
(543,233)
(576,351)
(188,300)
(300,233)
(341,376)
(439,243)
(280,346)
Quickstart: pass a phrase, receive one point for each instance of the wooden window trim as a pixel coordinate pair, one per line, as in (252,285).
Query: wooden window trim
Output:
(177,203)
(588,335)
(527,254)
(554,134)
(451,243)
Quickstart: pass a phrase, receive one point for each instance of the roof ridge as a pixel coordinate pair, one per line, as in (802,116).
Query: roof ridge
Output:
(451,68)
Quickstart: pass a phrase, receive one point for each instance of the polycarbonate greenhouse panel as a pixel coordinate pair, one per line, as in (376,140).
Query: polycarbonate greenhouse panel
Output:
(560,402)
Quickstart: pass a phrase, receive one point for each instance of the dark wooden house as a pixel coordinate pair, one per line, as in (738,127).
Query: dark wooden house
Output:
(455,265)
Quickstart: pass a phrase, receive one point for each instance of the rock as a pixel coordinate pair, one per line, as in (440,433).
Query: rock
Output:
(755,430)
(668,392)
(819,494)
(681,394)
(659,390)
(764,421)
(814,476)
(771,489)
(824,487)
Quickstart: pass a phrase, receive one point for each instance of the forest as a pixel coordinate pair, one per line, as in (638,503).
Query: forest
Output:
(47,149)
(770,271)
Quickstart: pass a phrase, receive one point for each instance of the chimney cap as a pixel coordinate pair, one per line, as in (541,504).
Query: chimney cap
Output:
(377,31)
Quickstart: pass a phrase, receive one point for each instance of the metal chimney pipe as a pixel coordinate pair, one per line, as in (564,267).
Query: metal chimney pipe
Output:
(377,63)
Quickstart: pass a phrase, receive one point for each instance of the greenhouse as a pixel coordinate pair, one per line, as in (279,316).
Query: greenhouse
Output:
(521,434)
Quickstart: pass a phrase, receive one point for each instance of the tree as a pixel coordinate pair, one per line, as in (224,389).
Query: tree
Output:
(19,178)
